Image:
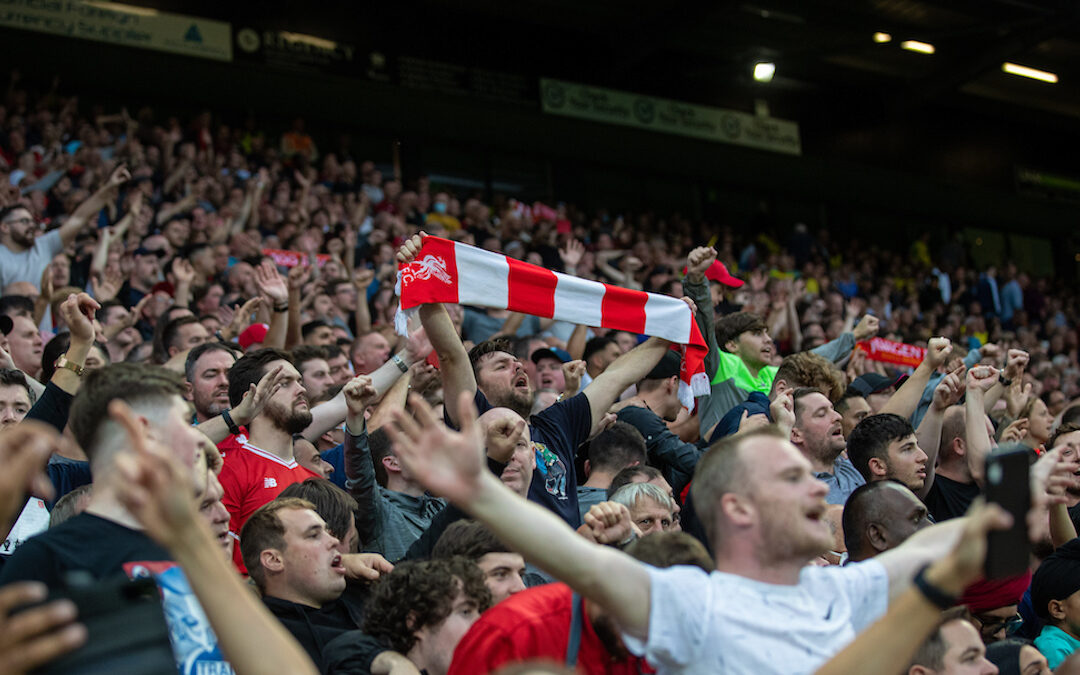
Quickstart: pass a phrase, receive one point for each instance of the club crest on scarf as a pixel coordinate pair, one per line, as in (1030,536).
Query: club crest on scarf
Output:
(425,268)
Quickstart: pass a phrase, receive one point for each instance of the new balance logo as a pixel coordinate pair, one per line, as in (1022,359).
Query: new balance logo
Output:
(269,482)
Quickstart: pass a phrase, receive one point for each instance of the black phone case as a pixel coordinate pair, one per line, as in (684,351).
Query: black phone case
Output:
(1007,485)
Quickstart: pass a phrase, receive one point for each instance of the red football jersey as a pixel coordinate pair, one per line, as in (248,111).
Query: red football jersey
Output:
(252,477)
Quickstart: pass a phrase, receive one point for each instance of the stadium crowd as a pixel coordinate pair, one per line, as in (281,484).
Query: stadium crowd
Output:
(202,382)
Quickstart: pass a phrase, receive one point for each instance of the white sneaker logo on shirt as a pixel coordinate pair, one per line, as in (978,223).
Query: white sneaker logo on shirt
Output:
(269,482)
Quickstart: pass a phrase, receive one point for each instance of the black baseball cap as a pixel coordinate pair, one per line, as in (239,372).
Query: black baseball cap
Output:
(670,365)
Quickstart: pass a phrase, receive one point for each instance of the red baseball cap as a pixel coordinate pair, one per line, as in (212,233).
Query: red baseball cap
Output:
(719,272)
(253,334)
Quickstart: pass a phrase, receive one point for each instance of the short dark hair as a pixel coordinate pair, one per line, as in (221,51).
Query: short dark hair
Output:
(132,383)
(264,529)
(931,653)
(332,351)
(381,448)
(12,377)
(311,326)
(1063,429)
(172,330)
(335,506)
(862,508)
(596,344)
(199,351)
(871,437)
(617,447)
(627,476)
(487,347)
(731,326)
(301,354)
(468,539)
(1071,415)
(799,394)
(418,594)
(841,404)
(16,305)
(249,369)
(11,208)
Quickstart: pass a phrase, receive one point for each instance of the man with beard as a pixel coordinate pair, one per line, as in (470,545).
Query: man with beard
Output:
(263,465)
(819,435)
(207,373)
(498,379)
(24,255)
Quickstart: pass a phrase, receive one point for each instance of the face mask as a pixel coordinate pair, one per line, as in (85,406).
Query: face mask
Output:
(440,207)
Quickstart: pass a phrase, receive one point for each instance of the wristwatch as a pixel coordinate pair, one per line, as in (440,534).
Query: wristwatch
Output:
(64,363)
(402,366)
(1004,380)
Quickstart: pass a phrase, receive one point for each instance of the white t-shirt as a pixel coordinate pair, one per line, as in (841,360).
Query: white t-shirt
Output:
(29,265)
(722,623)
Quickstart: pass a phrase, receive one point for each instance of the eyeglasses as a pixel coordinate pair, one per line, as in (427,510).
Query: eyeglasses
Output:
(20,221)
(993,624)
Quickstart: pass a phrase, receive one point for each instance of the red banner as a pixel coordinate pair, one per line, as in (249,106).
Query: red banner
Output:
(283,258)
(887,351)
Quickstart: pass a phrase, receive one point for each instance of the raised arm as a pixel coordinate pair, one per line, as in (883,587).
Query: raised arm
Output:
(457,373)
(979,443)
(628,369)
(906,398)
(77,220)
(947,393)
(452,465)
(249,407)
(273,287)
(889,644)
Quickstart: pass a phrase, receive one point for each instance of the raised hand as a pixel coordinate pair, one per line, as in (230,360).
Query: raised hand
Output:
(1017,396)
(1015,363)
(1050,477)
(448,463)
(241,318)
(698,261)
(359,394)
(867,327)
(362,278)
(572,372)
(572,253)
(949,390)
(424,377)
(270,283)
(1015,432)
(119,176)
(937,352)
(407,253)
(109,286)
(964,564)
(78,311)
(298,276)
(981,378)
(501,437)
(183,271)
(782,410)
(257,396)
(608,523)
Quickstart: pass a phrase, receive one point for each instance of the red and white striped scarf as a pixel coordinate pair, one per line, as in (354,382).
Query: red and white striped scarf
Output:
(445,271)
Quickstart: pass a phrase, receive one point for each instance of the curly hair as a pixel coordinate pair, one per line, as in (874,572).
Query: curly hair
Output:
(807,369)
(418,594)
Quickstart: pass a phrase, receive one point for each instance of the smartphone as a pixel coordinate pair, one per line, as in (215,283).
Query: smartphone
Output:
(126,627)
(1007,485)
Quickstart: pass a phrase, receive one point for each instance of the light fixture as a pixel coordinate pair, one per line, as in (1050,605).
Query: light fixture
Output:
(764,71)
(882,37)
(1033,73)
(916,46)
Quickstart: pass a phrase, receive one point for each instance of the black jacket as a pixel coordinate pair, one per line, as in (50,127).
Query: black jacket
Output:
(315,628)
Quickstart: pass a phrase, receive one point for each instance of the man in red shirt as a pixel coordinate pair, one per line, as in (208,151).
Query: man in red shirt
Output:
(263,466)
(552,622)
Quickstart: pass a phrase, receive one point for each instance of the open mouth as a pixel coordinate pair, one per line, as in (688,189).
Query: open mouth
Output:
(521,382)
(335,564)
